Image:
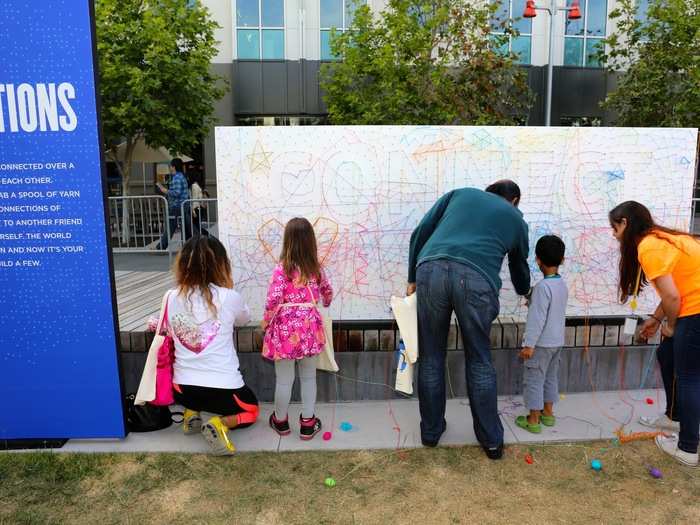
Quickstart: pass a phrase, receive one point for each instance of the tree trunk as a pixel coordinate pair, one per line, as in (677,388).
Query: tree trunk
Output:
(126,174)
(124,168)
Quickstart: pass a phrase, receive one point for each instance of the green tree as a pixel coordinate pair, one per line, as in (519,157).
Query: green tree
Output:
(155,82)
(424,62)
(657,58)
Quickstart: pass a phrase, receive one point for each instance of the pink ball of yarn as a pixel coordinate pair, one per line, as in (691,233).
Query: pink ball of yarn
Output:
(327,436)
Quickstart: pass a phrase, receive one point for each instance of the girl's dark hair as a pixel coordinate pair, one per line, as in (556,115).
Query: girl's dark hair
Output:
(202,262)
(640,223)
(177,164)
(299,251)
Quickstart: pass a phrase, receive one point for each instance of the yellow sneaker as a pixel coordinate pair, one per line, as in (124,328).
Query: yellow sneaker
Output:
(191,422)
(216,434)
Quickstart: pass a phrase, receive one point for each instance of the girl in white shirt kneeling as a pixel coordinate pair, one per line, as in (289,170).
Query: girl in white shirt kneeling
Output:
(202,312)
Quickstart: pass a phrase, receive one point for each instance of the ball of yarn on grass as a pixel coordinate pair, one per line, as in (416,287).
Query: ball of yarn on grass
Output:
(655,473)
(596,465)
(329,482)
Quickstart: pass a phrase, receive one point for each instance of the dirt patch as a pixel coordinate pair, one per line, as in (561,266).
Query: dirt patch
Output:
(114,475)
(123,470)
(174,500)
(269,517)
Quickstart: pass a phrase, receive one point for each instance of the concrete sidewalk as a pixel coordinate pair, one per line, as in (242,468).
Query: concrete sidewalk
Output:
(395,423)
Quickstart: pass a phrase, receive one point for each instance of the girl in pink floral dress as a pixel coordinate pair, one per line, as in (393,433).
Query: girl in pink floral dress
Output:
(293,325)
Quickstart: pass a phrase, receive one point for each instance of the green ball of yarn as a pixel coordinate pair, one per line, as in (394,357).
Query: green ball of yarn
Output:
(329,482)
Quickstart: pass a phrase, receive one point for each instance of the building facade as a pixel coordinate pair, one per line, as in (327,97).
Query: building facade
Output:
(270,52)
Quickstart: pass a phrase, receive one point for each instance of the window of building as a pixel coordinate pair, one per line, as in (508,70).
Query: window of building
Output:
(338,15)
(581,122)
(584,36)
(642,10)
(305,120)
(641,14)
(512,10)
(520,45)
(260,29)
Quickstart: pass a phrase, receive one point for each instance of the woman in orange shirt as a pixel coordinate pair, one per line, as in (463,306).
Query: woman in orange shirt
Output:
(670,261)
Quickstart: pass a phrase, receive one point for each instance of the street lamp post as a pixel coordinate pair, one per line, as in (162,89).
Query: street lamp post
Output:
(574,13)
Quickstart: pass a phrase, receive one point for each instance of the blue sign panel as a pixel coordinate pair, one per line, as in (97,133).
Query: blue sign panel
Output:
(59,375)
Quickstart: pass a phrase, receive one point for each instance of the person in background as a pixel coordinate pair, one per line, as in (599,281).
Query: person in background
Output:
(177,193)
(544,337)
(454,262)
(198,207)
(202,313)
(670,260)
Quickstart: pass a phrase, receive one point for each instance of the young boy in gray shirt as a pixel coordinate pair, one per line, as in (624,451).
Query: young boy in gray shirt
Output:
(544,337)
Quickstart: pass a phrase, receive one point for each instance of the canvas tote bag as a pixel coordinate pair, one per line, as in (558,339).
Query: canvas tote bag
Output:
(404,372)
(326,359)
(406,313)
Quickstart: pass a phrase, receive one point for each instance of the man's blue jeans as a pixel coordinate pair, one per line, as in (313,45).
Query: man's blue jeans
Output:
(686,361)
(174,214)
(444,286)
(165,238)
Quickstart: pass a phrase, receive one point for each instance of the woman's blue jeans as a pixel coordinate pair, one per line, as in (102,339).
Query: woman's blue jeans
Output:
(664,355)
(686,362)
(444,286)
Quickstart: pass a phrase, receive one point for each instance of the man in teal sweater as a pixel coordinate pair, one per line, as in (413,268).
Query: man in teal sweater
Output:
(454,262)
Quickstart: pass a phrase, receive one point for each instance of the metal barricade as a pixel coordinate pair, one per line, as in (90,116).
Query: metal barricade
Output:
(137,223)
(199,217)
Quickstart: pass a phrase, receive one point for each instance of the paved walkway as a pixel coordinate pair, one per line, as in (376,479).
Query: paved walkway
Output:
(388,424)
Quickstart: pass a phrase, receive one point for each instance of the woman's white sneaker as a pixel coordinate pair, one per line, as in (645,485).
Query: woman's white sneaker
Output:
(662,421)
(670,446)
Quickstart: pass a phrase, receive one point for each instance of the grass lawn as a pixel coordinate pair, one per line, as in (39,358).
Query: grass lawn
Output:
(426,486)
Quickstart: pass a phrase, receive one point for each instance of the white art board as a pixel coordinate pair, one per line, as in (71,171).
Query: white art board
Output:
(366,188)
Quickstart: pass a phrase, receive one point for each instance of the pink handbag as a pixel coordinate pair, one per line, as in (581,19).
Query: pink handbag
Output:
(164,368)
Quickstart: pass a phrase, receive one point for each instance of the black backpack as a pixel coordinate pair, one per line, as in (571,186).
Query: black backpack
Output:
(146,418)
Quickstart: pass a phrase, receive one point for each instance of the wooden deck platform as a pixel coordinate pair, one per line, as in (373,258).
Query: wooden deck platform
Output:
(139,295)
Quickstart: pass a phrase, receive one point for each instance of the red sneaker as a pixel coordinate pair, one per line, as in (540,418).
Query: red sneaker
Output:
(281,427)
(308,428)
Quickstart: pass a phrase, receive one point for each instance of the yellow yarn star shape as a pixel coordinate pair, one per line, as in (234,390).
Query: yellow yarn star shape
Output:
(259,159)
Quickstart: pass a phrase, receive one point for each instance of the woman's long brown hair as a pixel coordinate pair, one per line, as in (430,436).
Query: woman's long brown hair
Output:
(639,224)
(299,250)
(202,262)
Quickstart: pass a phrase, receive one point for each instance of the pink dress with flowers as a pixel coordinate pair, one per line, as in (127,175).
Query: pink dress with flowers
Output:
(294,332)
